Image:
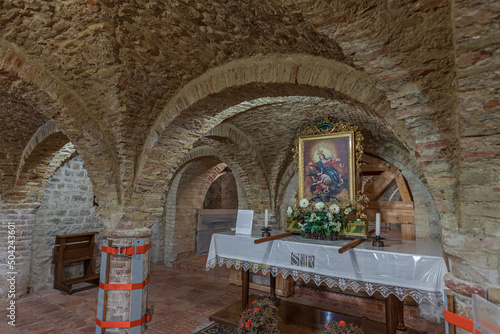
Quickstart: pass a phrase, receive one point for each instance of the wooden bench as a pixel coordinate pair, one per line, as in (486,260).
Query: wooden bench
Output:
(74,248)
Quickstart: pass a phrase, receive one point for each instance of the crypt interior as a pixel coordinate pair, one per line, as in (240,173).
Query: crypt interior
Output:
(127,117)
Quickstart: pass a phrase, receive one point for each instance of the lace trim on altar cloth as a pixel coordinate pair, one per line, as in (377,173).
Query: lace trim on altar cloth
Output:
(343,283)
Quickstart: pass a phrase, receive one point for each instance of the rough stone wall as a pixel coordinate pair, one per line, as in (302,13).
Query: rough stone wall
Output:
(222,194)
(421,74)
(20,215)
(191,192)
(474,269)
(168,222)
(23,199)
(66,208)
(14,138)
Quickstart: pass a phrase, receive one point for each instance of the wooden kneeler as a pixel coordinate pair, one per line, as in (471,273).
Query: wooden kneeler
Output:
(74,248)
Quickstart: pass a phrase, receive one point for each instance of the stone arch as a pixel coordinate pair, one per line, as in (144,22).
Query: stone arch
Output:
(41,134)
(241,140)
(69,111)
(165,227)
(427,220)
(295,70)
(203,104)
(206,151)
(22,203)
(273,75)
(190,193)
(67,207)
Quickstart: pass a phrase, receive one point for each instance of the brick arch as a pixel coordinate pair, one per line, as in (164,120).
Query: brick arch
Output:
(69,111)
(202,105)
(248,171)
(40,135)
(243,141)
(22,203)
(207,151)
(195,180)
(427,220)
(294,70)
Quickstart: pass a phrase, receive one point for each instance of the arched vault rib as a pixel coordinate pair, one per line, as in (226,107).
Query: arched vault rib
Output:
(41,134)
(231,132)
(205,151)
(292,70)
(69,111)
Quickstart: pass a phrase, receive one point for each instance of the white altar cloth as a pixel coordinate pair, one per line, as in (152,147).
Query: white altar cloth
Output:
(403,268)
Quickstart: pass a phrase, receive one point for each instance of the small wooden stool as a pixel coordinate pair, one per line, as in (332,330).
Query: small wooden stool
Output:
(74,248)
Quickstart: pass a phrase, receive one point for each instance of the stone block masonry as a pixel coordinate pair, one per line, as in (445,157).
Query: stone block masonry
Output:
(66,208)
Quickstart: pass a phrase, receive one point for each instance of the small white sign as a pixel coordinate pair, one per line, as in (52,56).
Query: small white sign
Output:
(244,222)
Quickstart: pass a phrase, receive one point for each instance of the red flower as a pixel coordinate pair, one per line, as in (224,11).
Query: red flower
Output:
(342,323)
(257,309)
(242,325)
(242,316)
(326,325)
(249,320)
(253,302)
(249,310)
(247,325)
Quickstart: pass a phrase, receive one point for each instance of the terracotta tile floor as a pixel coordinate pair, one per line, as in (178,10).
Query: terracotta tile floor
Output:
(182,302)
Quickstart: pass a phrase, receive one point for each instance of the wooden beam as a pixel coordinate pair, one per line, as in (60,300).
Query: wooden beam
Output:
(391,216)
(381,167)
(403,188)
(371,160)
(380,184)
(391,205)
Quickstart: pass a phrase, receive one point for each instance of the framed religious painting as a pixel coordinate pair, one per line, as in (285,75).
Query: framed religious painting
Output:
(328,154)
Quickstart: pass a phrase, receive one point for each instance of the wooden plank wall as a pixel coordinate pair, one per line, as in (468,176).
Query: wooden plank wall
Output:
(381,176)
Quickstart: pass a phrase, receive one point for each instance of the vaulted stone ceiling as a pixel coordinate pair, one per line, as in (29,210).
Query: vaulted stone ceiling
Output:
(107,71)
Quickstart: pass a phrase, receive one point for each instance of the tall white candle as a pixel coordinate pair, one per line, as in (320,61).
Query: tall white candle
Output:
(267,218)
(377,224)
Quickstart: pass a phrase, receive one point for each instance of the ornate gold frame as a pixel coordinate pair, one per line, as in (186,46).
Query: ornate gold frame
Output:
(330,129)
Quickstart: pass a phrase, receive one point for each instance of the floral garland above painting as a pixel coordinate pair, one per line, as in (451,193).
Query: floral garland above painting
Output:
(328,156)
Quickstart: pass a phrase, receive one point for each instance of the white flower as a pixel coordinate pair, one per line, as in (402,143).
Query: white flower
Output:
(329,215)
(334,208)
(304,203)
(320,205)
(289,211)
(347,211)
(313,216)
(337,226)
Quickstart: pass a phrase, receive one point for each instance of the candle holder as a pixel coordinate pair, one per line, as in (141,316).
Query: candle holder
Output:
(266,232)
(377,242)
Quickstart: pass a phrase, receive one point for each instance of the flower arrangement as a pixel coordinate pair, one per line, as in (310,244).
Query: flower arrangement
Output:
(340,328)
(261,317)
(319,220)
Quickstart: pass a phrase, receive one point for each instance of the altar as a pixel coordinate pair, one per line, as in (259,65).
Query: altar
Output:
(402,268)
